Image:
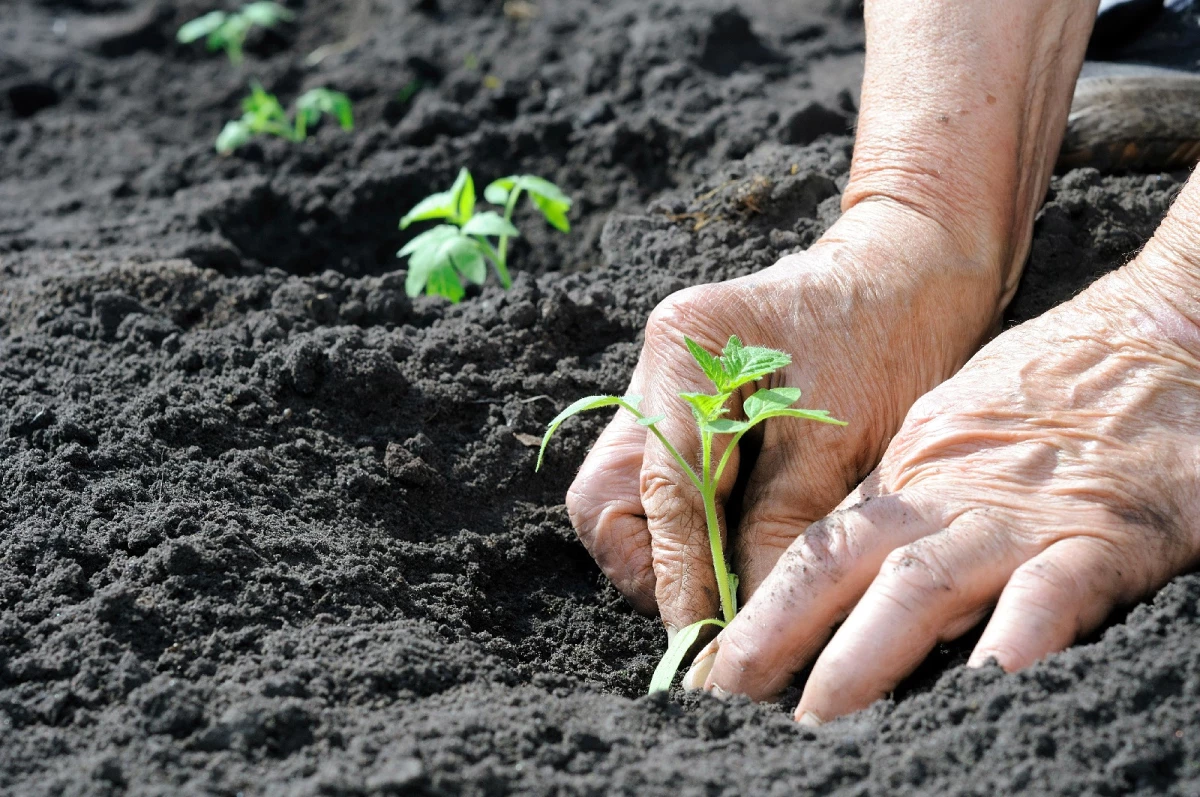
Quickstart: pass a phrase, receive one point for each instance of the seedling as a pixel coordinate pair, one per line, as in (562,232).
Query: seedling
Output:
(440,258)
(264,115)
(736,367)
(224,31)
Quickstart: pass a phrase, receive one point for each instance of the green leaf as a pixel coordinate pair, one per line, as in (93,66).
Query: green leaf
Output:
(201,26)
(435,206)
(463,192)
(650,420)
(709,363)
(468,259)
(490,223)
(266,14)
(538,186)
(668,665)
(497,191)
(445,282)
(770,399)
(434,251)
(725,426)
(315,102)
(821,416)
(555,212)
(583,405)
(706,408)
(235,134)
(744,364)
(431,237)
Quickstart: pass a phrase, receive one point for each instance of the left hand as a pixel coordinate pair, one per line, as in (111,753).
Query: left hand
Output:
(1056,476)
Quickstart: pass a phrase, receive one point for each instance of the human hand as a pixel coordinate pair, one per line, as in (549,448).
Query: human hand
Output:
(855,303)
(1056,476)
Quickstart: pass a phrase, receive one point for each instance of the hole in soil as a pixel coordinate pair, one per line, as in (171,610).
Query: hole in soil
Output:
(26,99)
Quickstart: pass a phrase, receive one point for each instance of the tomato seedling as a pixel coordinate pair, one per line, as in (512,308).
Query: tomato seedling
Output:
(440,258)
(262,114)
(736,367)
(224,31)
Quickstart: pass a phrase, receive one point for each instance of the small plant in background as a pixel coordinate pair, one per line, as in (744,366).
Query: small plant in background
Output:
(440,258)
(737,366)
(264,115)
(224,31)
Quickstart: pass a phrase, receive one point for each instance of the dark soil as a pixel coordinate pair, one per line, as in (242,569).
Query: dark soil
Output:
(269,527)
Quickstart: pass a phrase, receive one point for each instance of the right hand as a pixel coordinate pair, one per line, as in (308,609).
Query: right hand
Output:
(867,337)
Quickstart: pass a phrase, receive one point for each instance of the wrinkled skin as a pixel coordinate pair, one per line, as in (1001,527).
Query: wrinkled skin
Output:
(638,514)
(1052,478)
(1055,477)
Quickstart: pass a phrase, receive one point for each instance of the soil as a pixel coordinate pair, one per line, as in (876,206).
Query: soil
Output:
(267,526)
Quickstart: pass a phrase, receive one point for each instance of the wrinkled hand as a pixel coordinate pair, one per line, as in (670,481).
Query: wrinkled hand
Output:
(870,327)
(1056,476)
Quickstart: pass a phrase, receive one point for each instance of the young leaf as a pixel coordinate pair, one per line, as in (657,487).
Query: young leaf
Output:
(498,190)
(542,187)
(710,364)
(235,134)
(201,26)
(650,420)
(435,206)
(744,364)
(446,252)
(770,399)
(315,102)
(266,14)
(464,196)
(554,212)
(725,426)
(429,238)
(490,223)
(668,665)
(821,416)
(583,405)
(444,282)
(706,408)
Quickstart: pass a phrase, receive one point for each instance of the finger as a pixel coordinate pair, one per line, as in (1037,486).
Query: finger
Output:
(685,585)
(931,590)
(605,506)
(787,492)
(1051,600)
(812,588)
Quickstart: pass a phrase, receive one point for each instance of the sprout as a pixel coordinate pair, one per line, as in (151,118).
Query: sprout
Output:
(264,115)
(440,258)
(223,31)
(737,366)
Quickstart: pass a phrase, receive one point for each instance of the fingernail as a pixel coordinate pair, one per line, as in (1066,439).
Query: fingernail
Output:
(672,631)
(809,720)
(697,674)
(718,692)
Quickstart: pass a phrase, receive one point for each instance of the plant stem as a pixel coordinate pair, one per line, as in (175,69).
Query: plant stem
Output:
(501,269)
(718,553)
(502,248)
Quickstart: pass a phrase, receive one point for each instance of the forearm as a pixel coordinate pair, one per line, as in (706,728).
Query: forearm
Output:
(963,107)
(1168,269)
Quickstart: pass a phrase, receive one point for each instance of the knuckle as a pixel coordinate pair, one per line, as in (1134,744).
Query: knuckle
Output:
(682,313)
(740,656)
(916,572)
(824,546)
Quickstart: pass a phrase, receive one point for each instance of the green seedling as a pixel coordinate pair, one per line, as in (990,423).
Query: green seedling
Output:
(440,258)
(224,31)
(736,367)
(262,114)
